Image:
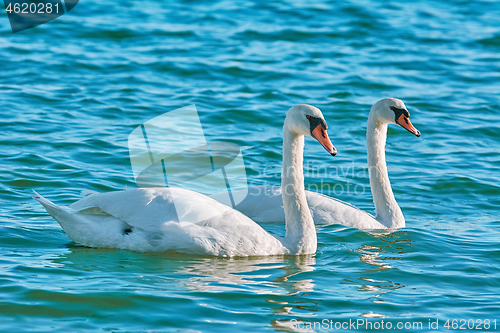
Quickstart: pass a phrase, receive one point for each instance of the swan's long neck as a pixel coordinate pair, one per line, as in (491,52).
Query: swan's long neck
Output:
(300,231)
(386,208)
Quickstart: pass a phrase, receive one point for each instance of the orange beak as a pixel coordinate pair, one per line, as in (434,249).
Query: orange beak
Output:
(319,133)
(405,122)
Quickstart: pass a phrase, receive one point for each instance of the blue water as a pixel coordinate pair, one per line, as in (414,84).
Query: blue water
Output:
(72,90)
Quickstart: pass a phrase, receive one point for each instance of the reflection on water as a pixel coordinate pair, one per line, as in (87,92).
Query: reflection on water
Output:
(263,275)
(277,279)
(370,255)
(380,258)
(281,286)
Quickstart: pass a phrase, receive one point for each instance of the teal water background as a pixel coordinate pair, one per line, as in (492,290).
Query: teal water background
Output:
(72,90)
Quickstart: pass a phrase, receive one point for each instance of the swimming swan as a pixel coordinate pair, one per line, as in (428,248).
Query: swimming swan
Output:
(264,203)
(146,219)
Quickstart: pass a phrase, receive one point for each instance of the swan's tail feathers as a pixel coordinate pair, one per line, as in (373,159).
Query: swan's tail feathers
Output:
(55,211)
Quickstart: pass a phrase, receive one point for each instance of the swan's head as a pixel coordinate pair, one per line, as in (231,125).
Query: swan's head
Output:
(393,111)
(307,120)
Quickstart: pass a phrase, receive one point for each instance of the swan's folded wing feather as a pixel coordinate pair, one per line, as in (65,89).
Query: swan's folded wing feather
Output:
(149,208)
(143,208)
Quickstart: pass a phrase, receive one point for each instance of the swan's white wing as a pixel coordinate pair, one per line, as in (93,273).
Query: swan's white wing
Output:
(149,220)
(148,208)
(264,204)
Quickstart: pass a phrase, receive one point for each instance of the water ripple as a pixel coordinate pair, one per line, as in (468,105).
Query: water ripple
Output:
(72,90)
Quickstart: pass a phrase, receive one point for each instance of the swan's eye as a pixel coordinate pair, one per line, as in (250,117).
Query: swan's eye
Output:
(315,122)
(398,112)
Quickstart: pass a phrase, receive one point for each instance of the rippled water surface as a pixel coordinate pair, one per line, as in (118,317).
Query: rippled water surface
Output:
(72,90)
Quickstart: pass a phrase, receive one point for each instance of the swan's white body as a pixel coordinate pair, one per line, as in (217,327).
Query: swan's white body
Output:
(102,219)
(147,219)
(264,203)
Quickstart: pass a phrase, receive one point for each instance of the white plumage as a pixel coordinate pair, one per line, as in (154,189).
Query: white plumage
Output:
(152,220)
(264,203)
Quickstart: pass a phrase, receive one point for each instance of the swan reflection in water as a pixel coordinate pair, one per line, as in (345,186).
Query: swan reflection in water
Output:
(270,275)
(277,277)
(379,259)
(372,255)
(263,275)
(280,285)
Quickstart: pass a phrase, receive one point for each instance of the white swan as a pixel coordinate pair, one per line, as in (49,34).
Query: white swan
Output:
(264,203)
(147,219)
